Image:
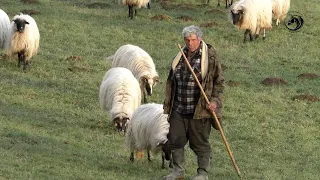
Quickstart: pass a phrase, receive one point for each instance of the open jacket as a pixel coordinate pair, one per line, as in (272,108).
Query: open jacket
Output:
(212,84)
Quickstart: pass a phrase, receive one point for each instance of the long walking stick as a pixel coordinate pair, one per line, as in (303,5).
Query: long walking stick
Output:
(213,113)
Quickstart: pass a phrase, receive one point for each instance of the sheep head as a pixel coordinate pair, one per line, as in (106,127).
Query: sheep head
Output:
(20,24)
(121,123)
(148,83)
(237,11)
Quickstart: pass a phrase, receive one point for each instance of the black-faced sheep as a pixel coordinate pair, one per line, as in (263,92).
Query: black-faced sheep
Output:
(147,130)
(133,4)
(121,95)
(4,29)
(24,39)
(252,16)
(141,65)
(280,9)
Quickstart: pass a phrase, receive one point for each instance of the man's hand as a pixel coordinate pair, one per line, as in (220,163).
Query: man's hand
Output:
(211,107)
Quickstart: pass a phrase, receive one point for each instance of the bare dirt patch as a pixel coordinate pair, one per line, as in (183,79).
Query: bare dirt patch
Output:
(306,97)
(185,18)
(75,58)
(161,17)
(166,5)
(215,11)
(98,5)
(209,24)
(30,1)
(308,76)
(30,12)
(274,81)
(233,83)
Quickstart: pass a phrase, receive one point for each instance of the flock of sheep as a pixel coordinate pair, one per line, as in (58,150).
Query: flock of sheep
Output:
(253,16)
(133,73)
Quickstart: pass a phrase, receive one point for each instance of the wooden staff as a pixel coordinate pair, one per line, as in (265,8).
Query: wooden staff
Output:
(212,112)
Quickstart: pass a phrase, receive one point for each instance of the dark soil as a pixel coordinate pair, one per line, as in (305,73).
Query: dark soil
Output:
(30,12)
(308,76)
(274,81)
(161,17)
(30,1)
(306,97)
(185,18)
(233,83)
(75,58)
(209,24)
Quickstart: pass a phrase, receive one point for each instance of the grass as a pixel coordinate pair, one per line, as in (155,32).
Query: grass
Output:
(52,126)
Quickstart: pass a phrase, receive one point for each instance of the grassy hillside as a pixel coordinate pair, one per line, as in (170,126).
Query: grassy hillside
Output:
(52,126)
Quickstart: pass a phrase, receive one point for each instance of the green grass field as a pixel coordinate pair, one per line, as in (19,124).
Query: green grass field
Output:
(53,128)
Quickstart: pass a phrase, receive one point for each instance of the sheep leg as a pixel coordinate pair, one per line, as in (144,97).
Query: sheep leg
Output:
(148,5)
(132,157)
(163,160)
(218,3)
(264,34)
(246,34)
(149,156)
(171,163)
(21,58)
(130,11)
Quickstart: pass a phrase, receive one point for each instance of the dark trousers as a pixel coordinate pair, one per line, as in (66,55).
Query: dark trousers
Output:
(184,128)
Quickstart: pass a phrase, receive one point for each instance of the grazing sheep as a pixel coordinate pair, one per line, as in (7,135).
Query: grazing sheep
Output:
(121,95)
(24,39)
(147,130)
(140,63)
(252,15)
(280,9)
(133,4)
(4,29)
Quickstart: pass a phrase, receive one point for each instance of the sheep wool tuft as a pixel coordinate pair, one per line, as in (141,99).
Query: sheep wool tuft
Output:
(119,94)
(24,38)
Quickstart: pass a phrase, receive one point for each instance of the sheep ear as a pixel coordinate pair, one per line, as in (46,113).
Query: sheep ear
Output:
(143,79)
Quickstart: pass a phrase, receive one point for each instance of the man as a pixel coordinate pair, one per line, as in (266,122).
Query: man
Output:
(189,115)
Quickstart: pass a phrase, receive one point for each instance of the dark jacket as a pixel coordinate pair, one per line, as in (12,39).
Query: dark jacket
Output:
(212,84)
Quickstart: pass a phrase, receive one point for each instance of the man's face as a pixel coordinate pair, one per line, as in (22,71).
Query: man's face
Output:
(192,42)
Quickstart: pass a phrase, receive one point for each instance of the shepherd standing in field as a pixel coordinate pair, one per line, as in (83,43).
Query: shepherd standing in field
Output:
(189,114)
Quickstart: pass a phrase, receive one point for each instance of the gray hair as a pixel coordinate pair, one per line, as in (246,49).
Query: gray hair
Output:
(189,30)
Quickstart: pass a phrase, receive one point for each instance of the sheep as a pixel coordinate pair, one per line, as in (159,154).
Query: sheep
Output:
(140,63)
(4,29)
(147,130)
(24,39)
(119,94)
(280,9)
(252,15)
(133,4)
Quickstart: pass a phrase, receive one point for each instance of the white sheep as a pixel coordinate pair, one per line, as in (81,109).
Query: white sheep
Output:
(24,39)
(4,29)
(147,130)
(280,9)
(141,65)
(119,94)
(252,16)
(133,4)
